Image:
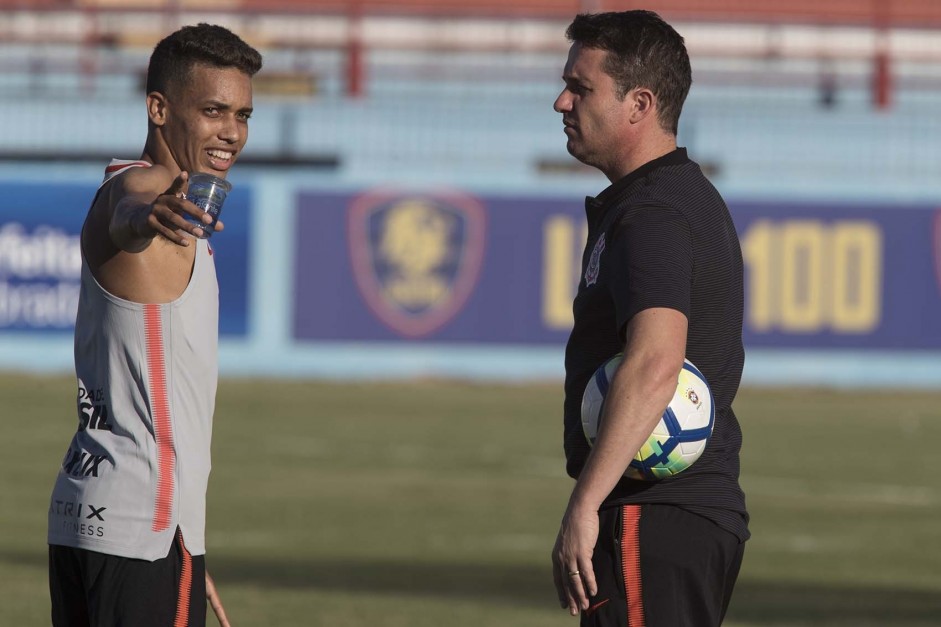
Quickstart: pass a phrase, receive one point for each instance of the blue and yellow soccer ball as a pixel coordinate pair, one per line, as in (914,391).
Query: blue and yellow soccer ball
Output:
(678,439)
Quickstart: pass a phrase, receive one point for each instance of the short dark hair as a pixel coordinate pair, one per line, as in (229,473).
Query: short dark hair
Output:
(643,51)
(206,44)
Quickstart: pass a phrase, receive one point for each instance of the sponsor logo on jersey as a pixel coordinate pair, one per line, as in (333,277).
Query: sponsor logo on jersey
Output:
(594,263)
(416,257)
(92,410)
(79,518)
(80,463)
(71,509)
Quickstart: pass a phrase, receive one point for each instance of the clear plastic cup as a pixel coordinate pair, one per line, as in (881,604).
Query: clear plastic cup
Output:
(207,192)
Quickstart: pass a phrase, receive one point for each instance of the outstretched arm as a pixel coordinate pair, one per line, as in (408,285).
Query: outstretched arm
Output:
(143,205)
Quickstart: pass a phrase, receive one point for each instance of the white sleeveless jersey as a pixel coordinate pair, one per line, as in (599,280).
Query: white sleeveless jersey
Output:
(138,466)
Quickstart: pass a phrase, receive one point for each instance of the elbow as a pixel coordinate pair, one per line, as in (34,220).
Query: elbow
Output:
(665,374)
(659,373)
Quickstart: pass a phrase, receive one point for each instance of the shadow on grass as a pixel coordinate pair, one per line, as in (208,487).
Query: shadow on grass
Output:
(787,603)
(755,602)
(511,584)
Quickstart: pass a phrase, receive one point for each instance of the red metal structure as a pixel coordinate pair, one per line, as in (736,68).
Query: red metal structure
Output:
(878,15)
(906,13)
(910,13)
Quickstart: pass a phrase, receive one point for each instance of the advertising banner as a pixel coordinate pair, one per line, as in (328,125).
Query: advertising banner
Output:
(838,276)
(396,266)
(40,258)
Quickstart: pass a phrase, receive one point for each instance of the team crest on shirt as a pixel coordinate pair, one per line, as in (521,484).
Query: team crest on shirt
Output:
(416,256)
(594,263)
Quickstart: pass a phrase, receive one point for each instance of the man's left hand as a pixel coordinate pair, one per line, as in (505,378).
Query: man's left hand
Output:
(571,559)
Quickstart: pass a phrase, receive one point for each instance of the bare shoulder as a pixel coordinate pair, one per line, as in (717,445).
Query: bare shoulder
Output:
(156,272)
(143,183)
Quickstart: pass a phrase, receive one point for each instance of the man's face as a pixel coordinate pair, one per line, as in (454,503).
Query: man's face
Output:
(595,119)
(207,119)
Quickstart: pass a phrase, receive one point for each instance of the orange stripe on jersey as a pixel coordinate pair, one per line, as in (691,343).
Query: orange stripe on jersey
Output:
(163,426)
(630,565)
(186,586)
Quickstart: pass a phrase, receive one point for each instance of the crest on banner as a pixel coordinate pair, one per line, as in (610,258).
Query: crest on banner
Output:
(416,256)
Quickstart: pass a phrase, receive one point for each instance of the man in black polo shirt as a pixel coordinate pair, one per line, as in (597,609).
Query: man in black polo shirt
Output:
(661,280)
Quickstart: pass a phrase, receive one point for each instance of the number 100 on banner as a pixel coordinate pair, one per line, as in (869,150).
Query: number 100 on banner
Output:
(810,276)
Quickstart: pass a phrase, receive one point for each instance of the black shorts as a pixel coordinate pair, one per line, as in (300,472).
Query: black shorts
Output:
(661,566)
(91,589)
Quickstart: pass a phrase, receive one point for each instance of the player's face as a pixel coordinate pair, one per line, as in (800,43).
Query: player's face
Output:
(207,119)
(595,120)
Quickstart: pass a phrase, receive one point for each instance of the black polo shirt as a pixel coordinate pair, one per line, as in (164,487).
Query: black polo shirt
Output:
(662,237)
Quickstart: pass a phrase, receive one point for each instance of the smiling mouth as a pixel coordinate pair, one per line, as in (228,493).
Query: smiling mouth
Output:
(221,155)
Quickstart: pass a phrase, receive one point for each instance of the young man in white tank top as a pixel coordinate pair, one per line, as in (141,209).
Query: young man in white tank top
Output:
(127,514)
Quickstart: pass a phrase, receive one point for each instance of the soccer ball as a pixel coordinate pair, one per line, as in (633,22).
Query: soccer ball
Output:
(678,439)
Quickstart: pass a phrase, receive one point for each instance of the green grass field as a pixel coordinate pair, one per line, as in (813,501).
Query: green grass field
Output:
(431,504)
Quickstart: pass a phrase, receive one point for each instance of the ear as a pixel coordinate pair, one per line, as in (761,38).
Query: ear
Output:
(644,104)
(157,108)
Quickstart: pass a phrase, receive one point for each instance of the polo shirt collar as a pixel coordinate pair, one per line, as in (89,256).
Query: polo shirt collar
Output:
(674,157)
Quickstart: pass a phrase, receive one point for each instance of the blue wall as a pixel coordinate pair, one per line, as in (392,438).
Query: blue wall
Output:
(837,208)
(313,282)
